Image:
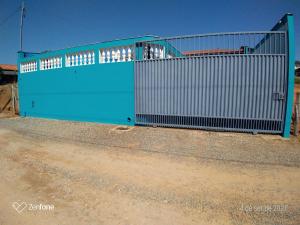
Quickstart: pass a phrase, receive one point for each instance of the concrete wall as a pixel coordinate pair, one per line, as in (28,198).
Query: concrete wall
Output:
(101,93)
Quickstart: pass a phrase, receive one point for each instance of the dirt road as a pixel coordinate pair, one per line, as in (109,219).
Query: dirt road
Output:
(96,174)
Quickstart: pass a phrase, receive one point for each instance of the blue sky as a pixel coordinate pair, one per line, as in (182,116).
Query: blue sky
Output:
(58,24)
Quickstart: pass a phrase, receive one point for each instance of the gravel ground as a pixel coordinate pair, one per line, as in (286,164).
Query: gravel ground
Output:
(98,174)
(224,146)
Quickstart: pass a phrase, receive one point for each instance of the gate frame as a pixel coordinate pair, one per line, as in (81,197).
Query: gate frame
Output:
(286,23)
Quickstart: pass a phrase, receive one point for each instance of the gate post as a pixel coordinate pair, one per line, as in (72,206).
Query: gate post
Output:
(291,75)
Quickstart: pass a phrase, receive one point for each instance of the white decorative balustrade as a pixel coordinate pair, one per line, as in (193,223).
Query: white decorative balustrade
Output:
(152,51)
(117,54)
(28,67)
(51,63)
(80,58)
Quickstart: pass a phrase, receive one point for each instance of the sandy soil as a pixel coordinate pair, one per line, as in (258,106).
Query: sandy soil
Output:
(99,184)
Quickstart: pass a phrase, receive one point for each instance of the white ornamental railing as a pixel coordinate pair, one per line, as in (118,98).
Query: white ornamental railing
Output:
(80,59)
(51,63)
(28,67)
(106,55)
(154,52)
(117,54)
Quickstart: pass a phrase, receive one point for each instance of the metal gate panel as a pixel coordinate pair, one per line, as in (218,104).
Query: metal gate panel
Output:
(242,92)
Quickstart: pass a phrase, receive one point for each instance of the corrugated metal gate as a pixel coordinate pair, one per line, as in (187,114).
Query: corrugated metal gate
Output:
(228,81)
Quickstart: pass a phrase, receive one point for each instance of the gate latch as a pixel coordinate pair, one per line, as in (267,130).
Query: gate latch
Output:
(278,96)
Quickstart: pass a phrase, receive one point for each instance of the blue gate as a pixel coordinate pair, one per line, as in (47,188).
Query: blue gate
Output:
(226,81)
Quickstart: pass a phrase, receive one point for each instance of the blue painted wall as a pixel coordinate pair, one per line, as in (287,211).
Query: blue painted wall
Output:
(97,93)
